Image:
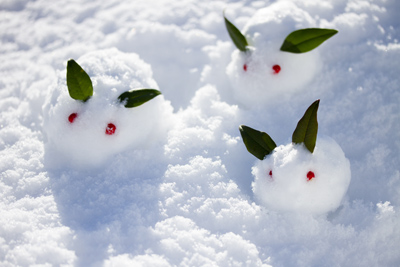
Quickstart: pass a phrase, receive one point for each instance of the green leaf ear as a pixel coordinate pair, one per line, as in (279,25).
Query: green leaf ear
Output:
(258,143)
(307,128)
(136,97)
(305,40)
(237,37)
(79,84)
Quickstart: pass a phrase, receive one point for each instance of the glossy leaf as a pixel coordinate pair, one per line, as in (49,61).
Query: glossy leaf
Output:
(78,81)
(137,97)
(258,143)
(305,40)
(237,37)
(307,128)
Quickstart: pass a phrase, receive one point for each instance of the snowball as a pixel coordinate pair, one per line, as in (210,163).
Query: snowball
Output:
(84,142)
(253,78)
(282,178)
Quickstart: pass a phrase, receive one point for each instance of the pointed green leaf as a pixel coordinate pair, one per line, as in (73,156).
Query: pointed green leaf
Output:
(79,84)
(237,37)
(307,128)
(137,97)
(305,40)
(258,143)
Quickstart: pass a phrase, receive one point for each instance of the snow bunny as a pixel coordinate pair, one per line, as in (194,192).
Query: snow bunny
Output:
(267,68)
(303,176)
(103,108)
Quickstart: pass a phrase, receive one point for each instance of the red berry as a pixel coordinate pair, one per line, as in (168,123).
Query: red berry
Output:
(276,69)
(310,175)
(110,130)
(245,67)
(72,117)
(270,175)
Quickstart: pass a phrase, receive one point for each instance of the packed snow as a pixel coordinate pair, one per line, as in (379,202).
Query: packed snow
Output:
(174,185)
(294,179)
(84,143)
(253,77)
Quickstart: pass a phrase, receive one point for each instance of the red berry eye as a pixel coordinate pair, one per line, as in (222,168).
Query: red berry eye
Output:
(270,175)
(310,175)
(72,117)
(245,67)
(110,129)
(276,69)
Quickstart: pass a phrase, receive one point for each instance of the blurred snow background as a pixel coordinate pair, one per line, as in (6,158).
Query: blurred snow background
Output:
(189,202)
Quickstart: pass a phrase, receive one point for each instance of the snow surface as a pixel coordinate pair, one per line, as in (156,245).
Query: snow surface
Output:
(187,198)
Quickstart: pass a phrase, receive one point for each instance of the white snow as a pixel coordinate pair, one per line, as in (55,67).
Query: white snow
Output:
(293,179)
(257,83)
(71,196)
(84,142)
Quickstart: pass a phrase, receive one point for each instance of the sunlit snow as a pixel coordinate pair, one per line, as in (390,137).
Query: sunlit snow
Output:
(175,185)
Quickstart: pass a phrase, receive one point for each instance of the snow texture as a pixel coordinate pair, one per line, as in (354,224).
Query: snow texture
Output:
(84,142)
(253,79)
(293,179)
(178,192)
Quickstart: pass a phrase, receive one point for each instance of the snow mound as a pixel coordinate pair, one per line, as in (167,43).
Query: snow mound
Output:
(253,75)
(84,142)
(293,179)
(182,242)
